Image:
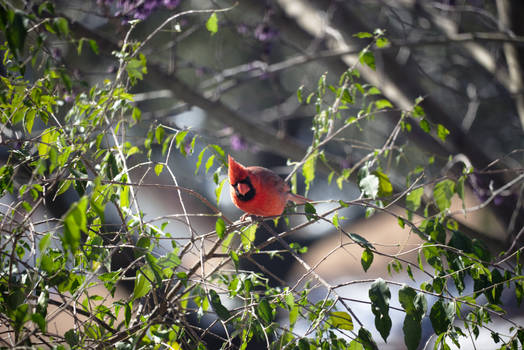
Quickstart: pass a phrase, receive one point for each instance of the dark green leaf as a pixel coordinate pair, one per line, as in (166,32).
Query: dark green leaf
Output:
(16,33)
(412,328)
(40,321)
(365,338)
(217,306)
(380,295)
(361,241)
(72,338)
(310,210)
(265,311)
(442,315)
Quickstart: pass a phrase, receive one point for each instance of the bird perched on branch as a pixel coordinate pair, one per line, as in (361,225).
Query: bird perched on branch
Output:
(259,191)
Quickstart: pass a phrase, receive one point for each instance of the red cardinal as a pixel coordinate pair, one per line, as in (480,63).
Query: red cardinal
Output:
(259,191)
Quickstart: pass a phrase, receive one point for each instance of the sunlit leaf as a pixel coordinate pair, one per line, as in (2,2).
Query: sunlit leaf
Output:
(341,320)
(367,259)
(220,227)
(442,192)
(212,23)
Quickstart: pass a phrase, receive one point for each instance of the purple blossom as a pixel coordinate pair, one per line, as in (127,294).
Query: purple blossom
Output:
(238,143)
(345,164)
(263,32)
(242,29)
(170,4)
(138,9)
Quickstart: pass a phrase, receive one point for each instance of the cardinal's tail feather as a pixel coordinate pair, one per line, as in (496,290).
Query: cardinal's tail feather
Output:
(298,199)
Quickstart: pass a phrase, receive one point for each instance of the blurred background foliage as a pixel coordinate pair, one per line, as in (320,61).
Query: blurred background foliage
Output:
(360,100)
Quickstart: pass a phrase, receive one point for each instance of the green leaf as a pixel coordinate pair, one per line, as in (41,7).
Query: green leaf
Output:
(217,306)
(136,68)
(136,114)
(179,139)
(159,134)
(413,200)
(424,125)
(247,235)
(48,138)
(199,160)
(442,192)
(212,23)
(124,197)
(368,58)
(308,170)
(210,162)
(142,286)
(412,329)
(385,188)
(341,320)
(382,42)
(62,26)
(40,321)
(220,227)
(362,35)
(29,120)
(380,295)
(299,93)
(382,104)
(158,169)
(415,306)
(361,241)
(75,222)
(293,315)
(16,33)
(365,338)
(335,220)
(369,185)
(355,345)
(44,242)
(366,259)
(310,210)
(72,338)
(218,190)
(265,311)
(442,132)
(442,315)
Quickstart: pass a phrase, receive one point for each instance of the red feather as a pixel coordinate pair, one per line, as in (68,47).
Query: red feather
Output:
(259,191)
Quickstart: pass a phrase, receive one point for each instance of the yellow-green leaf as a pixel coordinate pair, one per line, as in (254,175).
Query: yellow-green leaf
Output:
(341,320)
(212,23)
